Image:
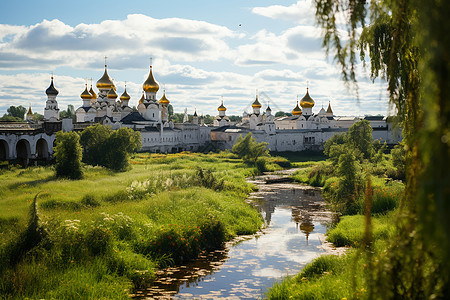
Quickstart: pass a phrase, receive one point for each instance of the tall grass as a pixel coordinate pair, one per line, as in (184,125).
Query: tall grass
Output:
(106,234)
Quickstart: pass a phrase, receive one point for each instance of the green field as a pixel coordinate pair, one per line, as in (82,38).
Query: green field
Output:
(104,235)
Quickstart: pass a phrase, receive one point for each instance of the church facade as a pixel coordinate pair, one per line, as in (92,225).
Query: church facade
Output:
(158,133)
(303,130)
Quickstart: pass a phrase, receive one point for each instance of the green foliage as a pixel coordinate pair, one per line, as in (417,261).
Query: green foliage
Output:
(109,148)
(17,111)
(7,118)
(360,138)
(68,155)
(102,232)
(399,162)
(69,113)
(337,139)
(248,149)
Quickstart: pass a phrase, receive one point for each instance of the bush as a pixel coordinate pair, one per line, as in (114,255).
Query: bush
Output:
(89,201)
(248,149)
(68,155)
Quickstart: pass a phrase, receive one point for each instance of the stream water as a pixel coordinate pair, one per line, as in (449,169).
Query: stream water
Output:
(296,221)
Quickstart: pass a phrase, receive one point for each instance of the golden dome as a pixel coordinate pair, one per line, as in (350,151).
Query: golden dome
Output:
(85,94)
(150,85)
(256,103)
(93,94)
(221,107)
(164,99)
(142,99)
(111,94)
(307,101)
(125,96)
(297,111)
(105,82)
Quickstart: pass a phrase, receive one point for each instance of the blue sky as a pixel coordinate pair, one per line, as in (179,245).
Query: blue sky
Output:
(202,50)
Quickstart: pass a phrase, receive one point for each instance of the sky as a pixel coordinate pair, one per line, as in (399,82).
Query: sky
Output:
(201,51)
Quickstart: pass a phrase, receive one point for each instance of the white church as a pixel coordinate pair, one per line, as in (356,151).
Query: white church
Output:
(303,130)
(158,133)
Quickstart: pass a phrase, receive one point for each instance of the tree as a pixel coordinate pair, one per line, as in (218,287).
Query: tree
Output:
(282,114)
(407,43)
(249,149)
(68,155)
(121,143)
(360,137)
(69,113)
(93,140)
(17,111)
(109,148)
(337,139)
(37,117)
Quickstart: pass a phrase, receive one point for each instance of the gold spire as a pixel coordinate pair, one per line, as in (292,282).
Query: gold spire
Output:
(307,101)
(150,85)
(256,103)
(221,107)
(142,98)
(30,113)
(164,99)
(105,82)
(91,91)
(125,96)
(329,111)
(112,94)
(297,111)
(85,94)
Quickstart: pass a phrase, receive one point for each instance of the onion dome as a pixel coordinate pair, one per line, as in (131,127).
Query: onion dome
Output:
(85,94)
(256,103)
(329,111)
(195,113)
(29,113)
(125,96)
(51,90)
(142,98)
(111,94)
(105,82)
(268,108)
(164,99)
(221,107)
(297,111)
(150,85)
(307,101)
(91,91)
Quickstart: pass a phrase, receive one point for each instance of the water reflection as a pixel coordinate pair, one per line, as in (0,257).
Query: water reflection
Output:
(295,220)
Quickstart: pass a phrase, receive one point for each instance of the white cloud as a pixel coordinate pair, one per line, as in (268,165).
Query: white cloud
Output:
(54,43)
(301,12)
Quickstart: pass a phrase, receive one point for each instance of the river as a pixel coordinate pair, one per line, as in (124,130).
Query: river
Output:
(296,220)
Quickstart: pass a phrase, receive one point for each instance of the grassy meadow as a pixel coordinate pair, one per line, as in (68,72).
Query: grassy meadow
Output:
(104,235)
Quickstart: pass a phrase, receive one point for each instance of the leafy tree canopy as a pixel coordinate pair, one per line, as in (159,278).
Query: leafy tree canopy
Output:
(68,155)
(109,148)
(16,112)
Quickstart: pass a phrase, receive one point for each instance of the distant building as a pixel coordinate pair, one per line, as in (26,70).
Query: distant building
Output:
(304,130)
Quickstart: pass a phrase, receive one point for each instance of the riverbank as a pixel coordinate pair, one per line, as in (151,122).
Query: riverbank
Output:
(105,235)
(348,276)
(296,220)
